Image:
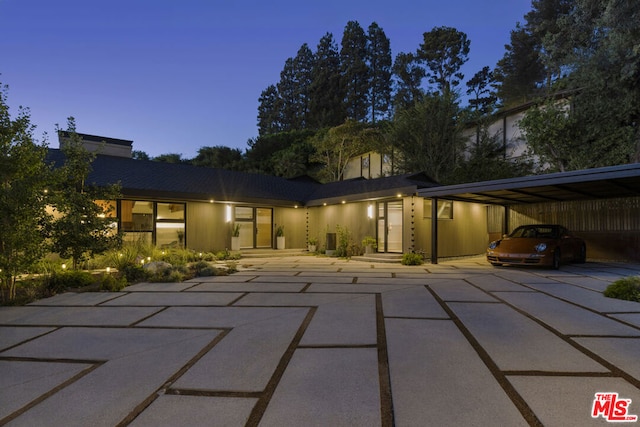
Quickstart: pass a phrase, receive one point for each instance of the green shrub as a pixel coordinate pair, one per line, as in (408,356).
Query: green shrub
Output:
(28,290)
(345,245)
(58,282)
(204,269)
(112,283)
(134,273)
(199,266)
(627,288)
(412,258)
(170,274)
(207,271)
(232,267)
(175,276)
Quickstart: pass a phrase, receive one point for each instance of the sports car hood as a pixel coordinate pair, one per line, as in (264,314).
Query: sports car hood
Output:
(521,244)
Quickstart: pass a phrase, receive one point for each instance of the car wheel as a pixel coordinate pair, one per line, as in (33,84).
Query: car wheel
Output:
(582,257)
(555,263)
(496,264)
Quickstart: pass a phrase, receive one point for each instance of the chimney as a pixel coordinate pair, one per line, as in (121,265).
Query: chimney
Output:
(100,144)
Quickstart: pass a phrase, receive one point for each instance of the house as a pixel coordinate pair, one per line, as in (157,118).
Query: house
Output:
(177,205)
(171,205)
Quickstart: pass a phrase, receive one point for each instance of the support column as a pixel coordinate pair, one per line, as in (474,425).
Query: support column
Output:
(507,225)
(434,230)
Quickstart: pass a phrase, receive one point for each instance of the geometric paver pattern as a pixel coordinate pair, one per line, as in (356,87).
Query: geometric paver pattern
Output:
(305,340)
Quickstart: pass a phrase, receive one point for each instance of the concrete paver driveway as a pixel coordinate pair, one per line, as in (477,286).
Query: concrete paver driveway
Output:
(299,341)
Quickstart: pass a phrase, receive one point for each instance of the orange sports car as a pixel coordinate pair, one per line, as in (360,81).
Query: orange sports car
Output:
(543,244)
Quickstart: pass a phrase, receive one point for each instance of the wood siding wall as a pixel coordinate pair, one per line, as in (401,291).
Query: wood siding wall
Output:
(350,216)
(465,234)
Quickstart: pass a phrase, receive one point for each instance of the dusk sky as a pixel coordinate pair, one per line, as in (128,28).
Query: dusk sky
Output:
(174,76)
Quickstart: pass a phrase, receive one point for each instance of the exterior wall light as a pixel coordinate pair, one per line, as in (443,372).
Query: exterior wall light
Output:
(228,213)
(370,211)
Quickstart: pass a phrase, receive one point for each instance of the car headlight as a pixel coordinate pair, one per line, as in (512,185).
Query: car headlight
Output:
(494,245)
(541,247)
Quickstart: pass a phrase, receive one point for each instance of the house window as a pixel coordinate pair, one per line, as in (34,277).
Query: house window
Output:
(162,224)
(170,234)
(170,225)
(136,215)
(445,209)
(243,213)
(168,211)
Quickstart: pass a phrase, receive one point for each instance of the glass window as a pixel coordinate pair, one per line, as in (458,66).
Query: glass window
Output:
(170,211)
(170,235)
(151,222)
(136,215)
(144,238)
(244,213)
(445,209)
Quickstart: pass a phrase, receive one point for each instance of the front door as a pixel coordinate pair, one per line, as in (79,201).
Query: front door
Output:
(390,226)
(263,228)
(255,227)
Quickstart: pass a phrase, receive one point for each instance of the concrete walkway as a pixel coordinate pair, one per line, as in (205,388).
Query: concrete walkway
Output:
(302,341)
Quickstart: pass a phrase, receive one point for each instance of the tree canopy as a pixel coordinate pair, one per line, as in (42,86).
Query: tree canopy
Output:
(84,222)
(591,116)
(25,181)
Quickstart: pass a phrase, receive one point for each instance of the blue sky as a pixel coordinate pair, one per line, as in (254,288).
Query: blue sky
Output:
(174,76)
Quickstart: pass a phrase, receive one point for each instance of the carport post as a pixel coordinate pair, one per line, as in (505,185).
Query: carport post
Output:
(434,230)
(507,226)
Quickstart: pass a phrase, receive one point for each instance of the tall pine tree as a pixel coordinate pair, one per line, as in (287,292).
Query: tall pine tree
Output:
(326,92)
(444,51)
(355,72)
(269,111)
(408,81)
(379,58)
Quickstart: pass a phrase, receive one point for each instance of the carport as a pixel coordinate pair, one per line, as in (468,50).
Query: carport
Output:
(614,182)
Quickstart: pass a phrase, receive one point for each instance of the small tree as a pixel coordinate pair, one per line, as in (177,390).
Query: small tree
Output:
(84,222)
(24,179)
(336,146)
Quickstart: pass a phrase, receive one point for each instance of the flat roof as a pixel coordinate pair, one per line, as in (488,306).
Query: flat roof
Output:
(588,184)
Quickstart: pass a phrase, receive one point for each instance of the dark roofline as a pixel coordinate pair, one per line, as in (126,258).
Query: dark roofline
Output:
(596,183)
(98,139)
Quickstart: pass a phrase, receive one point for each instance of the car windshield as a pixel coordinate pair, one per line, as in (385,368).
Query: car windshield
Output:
(539,232)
